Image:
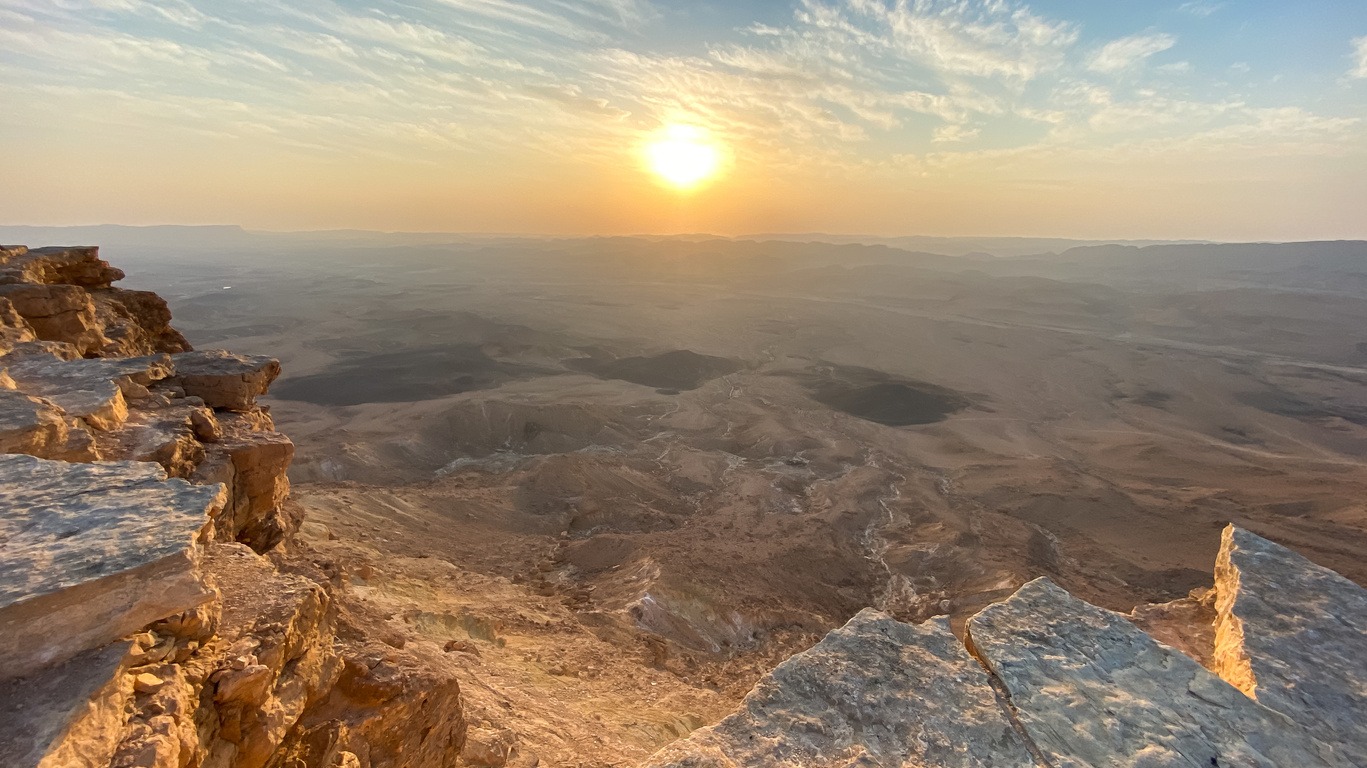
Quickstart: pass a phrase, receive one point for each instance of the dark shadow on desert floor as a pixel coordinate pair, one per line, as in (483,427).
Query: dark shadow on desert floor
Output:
(680,369)
(403,376)
(881,397)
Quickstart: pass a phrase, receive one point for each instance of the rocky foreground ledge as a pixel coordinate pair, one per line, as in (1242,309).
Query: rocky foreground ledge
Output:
(151,610)
(1045,679)
(155,612)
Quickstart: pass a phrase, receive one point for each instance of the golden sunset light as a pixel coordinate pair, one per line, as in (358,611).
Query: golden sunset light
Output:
(683,157)
(651,384)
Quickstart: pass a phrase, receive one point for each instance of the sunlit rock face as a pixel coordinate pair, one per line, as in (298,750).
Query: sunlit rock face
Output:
(1092,689)
(1293,635)
(1053,680)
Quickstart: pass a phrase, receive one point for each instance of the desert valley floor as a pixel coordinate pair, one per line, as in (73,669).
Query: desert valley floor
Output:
(620,479)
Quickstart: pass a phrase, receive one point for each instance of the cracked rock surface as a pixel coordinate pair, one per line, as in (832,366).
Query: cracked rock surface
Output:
(1293,635)
(874,692)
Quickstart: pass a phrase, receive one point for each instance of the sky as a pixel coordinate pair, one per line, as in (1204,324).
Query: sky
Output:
(1209,119)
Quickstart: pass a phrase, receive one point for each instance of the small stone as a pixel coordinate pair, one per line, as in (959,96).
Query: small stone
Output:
(205,426)
(462,646)
(147,683)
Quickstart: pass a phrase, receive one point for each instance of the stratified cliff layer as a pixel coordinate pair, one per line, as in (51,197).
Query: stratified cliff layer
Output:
(152,608)
(1075,685)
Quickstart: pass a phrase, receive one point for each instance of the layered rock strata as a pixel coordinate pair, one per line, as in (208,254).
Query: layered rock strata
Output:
(144,625)
(1075,685)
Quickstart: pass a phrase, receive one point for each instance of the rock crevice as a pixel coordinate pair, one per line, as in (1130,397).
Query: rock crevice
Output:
(1077,685)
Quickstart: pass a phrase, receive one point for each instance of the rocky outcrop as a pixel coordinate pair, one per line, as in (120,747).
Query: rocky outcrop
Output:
(79,266)
(143,626)
(225,380)
(1066,684)
(94,552)
(67,295)
(90,375)
(1092,689)
(875,692)
(1293,635)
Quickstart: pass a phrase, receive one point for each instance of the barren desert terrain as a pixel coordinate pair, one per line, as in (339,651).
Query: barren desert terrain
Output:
(621,478)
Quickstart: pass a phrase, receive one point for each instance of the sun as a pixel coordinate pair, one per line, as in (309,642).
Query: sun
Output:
(683,156)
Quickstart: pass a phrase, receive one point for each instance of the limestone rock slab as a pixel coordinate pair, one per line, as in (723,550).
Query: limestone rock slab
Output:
(71,714)
(225,380)
(1293,635)
(874,692)
(1091,689)
(95,390)
(93,552)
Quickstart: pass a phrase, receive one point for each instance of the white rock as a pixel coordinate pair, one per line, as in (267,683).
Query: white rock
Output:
(1091,689)
(1293,635)
(875,692)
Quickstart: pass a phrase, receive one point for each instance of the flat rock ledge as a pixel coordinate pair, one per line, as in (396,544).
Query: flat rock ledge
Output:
(92,553)
(1056,682)
(225,380)
(874,692)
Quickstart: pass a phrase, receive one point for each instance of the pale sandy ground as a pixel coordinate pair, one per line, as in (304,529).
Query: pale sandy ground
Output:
(617,565)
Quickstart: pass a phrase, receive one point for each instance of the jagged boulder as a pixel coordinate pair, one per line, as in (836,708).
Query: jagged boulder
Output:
(1091,689)
(252,465)
(390,708)
(225,380)
(874,692)
(14,329)
(1293,635)
(135,323)
(92,553)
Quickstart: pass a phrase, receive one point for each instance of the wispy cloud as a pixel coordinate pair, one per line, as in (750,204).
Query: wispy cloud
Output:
(849,85)
(1201,8)
(1128,52)
(1359,69)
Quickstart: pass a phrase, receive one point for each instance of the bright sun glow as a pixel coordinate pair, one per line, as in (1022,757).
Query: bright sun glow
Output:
(683,156)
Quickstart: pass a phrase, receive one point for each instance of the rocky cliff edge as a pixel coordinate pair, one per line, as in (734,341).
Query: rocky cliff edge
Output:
(1271,672)
(153,612)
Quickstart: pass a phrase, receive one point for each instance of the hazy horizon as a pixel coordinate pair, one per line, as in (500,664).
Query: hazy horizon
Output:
(1179,120)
